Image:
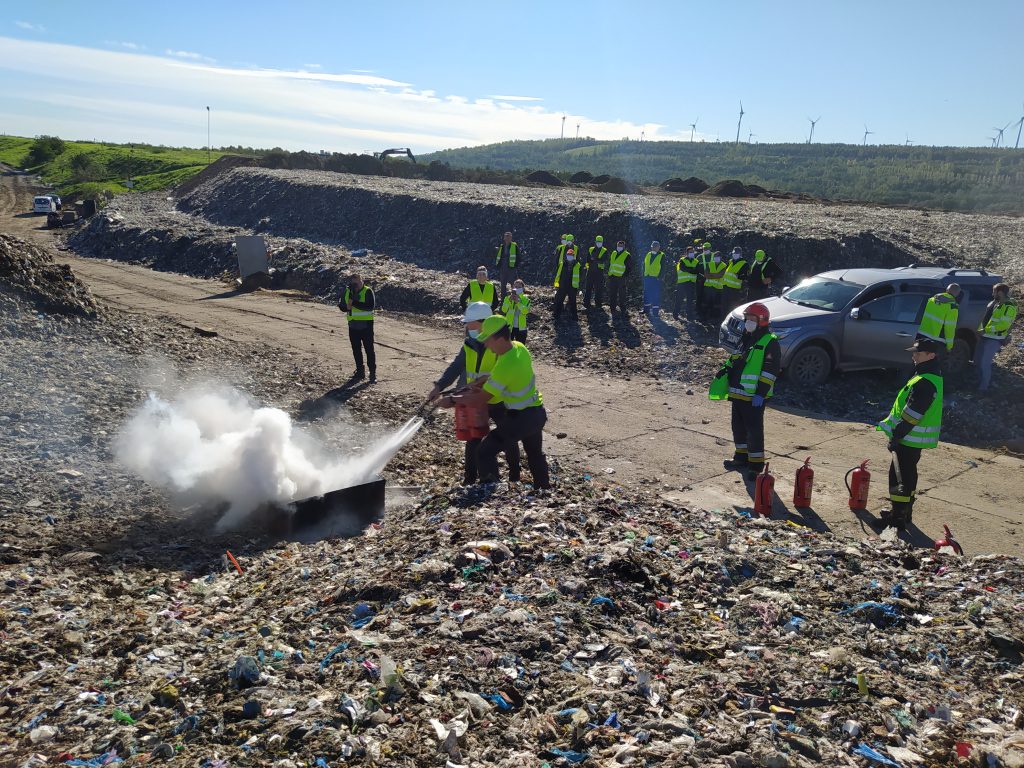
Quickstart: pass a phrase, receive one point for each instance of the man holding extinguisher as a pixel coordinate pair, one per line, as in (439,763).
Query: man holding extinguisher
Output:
(474,362)
(913,424)
(747,380)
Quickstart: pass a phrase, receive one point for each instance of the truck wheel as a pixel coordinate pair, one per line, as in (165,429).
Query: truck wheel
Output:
(810,365)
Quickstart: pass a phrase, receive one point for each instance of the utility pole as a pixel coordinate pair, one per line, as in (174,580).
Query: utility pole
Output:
(563,128)
(207,135)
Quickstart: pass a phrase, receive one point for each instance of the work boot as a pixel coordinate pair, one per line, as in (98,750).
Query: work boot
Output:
(373,377)
(359,375)
(736,462)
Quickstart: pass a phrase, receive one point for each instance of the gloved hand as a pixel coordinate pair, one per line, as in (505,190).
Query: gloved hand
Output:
(892,445)
(757,401)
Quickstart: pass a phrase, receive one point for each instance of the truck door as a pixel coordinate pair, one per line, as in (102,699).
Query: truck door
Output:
(878,333)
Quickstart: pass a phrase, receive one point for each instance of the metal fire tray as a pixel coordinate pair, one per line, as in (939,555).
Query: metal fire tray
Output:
(344,512)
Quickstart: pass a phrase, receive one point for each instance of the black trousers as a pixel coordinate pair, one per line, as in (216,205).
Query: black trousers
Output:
(561,294)
(518,334)
(901,494)
(594,288)
(617,293)
(712,303)
(731,298)
(526,426)
(362,338)
(748,433)
(685,293)
(498,415)
(506,276)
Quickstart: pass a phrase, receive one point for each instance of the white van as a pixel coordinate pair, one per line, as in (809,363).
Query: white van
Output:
(43,204)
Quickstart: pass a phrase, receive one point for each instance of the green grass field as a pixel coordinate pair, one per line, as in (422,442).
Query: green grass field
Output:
(150,168)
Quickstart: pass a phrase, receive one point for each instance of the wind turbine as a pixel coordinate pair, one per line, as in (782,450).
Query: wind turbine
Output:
(909,142)
(563,128)
(813,123)
(1020,124)
(866,134)
(693,127)
(999,132)
(750,136)
(642,134)
(577,130)
(739,123)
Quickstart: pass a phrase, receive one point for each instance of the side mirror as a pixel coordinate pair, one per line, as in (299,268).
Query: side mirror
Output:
(855,314)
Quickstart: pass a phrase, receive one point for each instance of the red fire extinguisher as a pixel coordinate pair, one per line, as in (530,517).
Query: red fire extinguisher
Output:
(764,490)
(858,485)
(471,419)
(804,485)
(949,541)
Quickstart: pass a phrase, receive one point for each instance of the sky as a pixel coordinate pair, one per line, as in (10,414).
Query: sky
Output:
(356,76)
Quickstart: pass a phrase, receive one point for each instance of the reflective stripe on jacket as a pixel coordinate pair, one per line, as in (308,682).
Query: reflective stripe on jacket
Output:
(686,270)
(998,326)
(753,373)
(512,249)
(927,425)
(652,264)
(512,380)
(731,278)
(516,311)
(484,293)
(939,320)
(355,313)
(617,263)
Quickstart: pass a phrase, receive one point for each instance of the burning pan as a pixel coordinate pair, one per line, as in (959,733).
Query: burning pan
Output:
(345,512)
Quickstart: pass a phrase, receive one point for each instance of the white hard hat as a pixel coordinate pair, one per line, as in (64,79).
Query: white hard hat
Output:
(477,312)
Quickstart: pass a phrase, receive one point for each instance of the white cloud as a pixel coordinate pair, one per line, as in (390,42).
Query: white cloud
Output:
(190,55)
(124,44)
(30,26)
(126,96)
(516,98)
(313,66)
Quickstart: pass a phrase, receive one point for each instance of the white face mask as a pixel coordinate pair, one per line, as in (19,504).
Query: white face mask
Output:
(718,258)
(750,325)
(473,334)
(564,241)
(517,291)
(620,248)
(570,257)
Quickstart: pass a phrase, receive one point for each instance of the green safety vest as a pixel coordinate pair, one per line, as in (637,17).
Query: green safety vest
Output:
(750,376)
(617,263)
(601,253)
(355,313)
(717,272)
(477,364)
(577,266)
(925,433)
(516,311)
(686,270)
(512,249)
(758,267)
(484,293)
(939,320)
(731,278)
(1002,318)
(512,381)
(652,264)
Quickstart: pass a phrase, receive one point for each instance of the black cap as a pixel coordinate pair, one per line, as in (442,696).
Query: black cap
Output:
(926,345)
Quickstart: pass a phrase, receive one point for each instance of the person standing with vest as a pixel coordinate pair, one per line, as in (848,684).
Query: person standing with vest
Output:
(472,363)
(516,309)
(763,272)
(480,289)
(995,332)
(713,285)
(747,380)
(652,280)
(618,268)
(913,424)
(704,258)
(940,317)
(597,264)
(686,284)
(732,281)
(358,303)
(568,277)
(512,383)
(507,262)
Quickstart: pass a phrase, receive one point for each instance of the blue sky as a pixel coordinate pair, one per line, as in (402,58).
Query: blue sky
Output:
(347,76)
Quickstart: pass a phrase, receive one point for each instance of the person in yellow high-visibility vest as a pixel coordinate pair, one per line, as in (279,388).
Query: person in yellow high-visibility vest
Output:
(481,289)
(358,303)
(568,278)
(652,280)
(995,332)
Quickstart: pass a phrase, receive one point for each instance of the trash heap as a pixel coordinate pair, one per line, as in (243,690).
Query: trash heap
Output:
(493,627)
(30,274)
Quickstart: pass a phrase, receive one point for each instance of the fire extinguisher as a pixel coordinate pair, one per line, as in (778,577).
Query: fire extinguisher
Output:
(858,485)
(471,419)
(949,541)
(764,489)
(804,485)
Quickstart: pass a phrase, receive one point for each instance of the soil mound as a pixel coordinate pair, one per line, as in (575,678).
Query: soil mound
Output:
(217,166)
(692,185)
(30,273)
(728,188)
(581,177)
(604,178)
(618,186)
(754,189)
(545,177)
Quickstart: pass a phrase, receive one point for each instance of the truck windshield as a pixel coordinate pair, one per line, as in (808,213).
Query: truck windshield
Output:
(823,293)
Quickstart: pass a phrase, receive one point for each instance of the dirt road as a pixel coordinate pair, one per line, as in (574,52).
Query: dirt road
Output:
(642,430)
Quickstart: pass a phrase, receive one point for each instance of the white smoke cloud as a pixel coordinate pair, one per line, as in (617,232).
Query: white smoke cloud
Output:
(215,446)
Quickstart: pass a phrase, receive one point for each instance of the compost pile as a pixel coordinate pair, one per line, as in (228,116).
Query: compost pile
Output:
(502,628)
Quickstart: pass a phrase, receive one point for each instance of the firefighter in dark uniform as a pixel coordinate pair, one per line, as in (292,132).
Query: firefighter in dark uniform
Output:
(913,424)
(747,380)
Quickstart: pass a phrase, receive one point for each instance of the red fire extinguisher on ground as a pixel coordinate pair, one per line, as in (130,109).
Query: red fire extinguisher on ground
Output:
(764,490)
(948,541)
(804,485)
(471,419)
(858,481)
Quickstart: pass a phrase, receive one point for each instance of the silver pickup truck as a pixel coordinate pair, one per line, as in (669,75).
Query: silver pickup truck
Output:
(858,319)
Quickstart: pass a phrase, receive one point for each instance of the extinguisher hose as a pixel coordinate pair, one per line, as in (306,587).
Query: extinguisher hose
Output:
(847,480)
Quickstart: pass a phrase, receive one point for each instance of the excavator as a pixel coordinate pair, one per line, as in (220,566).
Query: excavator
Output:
(395,151)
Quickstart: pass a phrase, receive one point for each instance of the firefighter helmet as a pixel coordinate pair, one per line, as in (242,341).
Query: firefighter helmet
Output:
(760,311)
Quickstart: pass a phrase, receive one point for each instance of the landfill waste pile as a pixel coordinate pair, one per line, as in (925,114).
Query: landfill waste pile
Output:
(496,627)
(30,272)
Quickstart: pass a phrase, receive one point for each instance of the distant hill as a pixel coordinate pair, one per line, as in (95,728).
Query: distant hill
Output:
(949,178)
